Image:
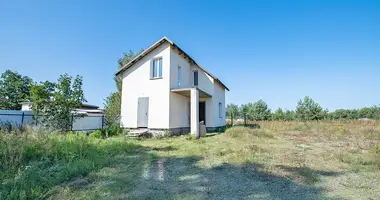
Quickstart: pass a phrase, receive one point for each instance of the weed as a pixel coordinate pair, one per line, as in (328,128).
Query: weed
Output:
(32,163)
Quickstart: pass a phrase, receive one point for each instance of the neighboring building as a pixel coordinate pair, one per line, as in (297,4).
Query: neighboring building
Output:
(165,89)
(83,109)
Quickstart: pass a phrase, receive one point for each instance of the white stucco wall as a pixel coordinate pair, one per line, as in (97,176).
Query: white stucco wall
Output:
(137,83)
(218,96)
(180,105)
(168,109)
(205,82)
(175,61)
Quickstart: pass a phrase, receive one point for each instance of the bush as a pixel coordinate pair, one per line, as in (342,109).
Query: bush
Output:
(97,134)
(114,129)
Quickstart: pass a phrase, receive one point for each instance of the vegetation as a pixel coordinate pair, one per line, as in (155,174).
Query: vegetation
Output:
(33,164)
(279,160)
(307,109)
(15,89)
(112,105)
(55,103)
(259,111)
(232,112)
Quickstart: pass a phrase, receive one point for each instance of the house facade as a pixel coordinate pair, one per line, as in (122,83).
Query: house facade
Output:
(164,89)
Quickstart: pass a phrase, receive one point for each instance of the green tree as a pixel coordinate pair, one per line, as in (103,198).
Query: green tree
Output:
(112,104)
(244,111)
(308,109)
(279,114)
(112,108)
(259,111)
(289,115)
(233,112)
(55,103)
(39,95)
(15,88)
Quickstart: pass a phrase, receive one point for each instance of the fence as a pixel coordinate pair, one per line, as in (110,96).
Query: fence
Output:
(19,118)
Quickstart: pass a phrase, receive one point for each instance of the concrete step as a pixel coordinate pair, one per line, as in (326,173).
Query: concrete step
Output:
(137,132)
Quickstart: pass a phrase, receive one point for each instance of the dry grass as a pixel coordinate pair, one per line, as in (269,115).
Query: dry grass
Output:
(279,160)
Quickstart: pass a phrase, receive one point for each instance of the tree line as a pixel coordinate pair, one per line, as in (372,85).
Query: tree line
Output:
(307,109)
(53,103)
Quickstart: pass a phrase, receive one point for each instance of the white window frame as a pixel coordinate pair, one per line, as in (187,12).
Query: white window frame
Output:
(193,77)
(158,73)
(179,74)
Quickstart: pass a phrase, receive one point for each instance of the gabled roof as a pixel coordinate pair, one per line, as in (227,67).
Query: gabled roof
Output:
(157,44)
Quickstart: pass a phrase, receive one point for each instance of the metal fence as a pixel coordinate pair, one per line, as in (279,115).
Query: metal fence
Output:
(79,122)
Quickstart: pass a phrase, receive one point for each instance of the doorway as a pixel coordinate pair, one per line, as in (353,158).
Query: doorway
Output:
(142,112)
(202,112)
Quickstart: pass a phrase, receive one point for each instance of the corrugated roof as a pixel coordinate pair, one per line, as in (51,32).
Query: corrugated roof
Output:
(157,44)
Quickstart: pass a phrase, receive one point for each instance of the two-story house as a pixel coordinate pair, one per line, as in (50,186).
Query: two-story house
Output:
(164,89)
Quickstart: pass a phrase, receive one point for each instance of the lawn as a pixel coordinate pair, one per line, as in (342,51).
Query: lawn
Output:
(279,160)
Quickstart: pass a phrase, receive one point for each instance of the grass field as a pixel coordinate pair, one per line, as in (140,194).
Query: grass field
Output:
(279,160)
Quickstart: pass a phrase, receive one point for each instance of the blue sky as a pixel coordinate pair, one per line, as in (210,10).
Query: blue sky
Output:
(278,51)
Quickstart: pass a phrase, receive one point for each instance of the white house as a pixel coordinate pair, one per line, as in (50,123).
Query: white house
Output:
(165,89)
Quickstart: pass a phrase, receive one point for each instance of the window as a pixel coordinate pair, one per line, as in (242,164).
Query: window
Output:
(179,75)
(195,77)
(157,68)
(220,110)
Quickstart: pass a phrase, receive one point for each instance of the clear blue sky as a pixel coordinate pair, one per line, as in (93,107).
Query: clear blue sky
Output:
(275,50)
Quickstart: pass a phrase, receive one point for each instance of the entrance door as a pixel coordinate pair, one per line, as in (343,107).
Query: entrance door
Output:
(142,112)
(202,112)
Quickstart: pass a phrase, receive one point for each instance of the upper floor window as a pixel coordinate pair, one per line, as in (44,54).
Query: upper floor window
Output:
(179,75)
(157,68)
(195,72)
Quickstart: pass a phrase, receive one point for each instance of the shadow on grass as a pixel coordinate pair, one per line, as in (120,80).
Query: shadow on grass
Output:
(148,176)
(307,174)
(168,148)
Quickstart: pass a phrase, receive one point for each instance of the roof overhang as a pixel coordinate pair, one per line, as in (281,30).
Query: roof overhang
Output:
(157,44)
(187,92)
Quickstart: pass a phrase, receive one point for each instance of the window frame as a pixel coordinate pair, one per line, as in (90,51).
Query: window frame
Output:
(197,72)
(179,76)
(159,68)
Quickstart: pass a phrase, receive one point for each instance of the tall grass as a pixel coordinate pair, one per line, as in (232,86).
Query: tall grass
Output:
(31,164)
(359,140)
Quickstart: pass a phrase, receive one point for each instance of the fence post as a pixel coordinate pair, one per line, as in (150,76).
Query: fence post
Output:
(22,120)
(72,121)
(102,121)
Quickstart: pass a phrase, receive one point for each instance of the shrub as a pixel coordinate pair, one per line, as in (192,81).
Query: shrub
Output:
(97,134)
(114,129)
